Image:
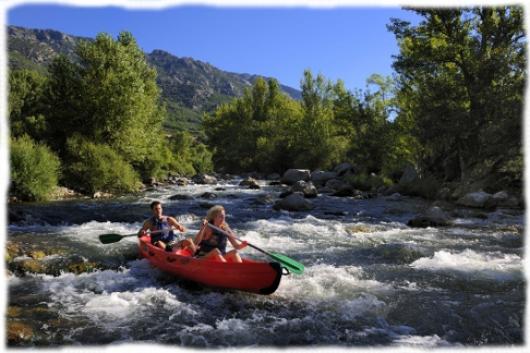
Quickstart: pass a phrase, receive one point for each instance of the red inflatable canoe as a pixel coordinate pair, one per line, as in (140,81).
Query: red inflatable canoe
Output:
(249,276)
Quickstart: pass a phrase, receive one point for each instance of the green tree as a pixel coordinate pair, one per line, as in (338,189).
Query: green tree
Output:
(110,96)
(34,169)
(461,78)
(254,132)
(98,167)
(25,103)
(316,144)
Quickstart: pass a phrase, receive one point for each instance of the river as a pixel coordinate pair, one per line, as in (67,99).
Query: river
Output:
(370,280)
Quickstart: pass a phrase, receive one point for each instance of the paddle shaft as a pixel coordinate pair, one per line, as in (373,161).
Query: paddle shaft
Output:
(287,262)
(226,233)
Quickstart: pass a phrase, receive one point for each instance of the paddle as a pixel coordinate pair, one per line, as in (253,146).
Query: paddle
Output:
(290,264)
(114,237)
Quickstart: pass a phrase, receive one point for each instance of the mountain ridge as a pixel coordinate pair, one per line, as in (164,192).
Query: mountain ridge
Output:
(189,87)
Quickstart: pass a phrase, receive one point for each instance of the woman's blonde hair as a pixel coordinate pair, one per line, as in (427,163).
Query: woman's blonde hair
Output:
(213,212)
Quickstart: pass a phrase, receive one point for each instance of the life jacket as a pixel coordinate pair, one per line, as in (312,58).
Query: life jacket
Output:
(216,241)
(161,224)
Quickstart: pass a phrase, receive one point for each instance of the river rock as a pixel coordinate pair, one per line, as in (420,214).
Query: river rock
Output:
(294,202)
(102,195)
(479,199)
(209,196)
(291,176)
(182,181)
(204,179)
(343,169)
(432,217)
(307,188)
(346,191)
(319,177)
(325,190)
(503,199)
(265,199)
(180,197)
(61,192)
(336,184)
(18,332)
(249,182)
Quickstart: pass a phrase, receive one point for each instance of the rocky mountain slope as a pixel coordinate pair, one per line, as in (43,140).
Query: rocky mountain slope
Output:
(189,87)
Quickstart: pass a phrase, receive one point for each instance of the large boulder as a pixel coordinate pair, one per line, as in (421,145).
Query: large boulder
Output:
(320,177)
(294,202)
(432,217)
(503,199)
(307,188)
(336,184)
(204,179)
(479,199)
(291,176)
(343,169)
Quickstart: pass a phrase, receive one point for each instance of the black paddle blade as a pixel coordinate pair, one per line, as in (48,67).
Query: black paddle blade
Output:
(110,238)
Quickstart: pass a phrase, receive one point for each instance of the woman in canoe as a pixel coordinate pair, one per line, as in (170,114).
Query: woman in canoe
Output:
(212,243)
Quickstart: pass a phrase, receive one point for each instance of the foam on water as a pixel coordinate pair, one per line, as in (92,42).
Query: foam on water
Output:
(112,297)
(326,282)
(491,265)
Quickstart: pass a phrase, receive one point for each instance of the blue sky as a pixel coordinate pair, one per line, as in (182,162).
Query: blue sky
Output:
(348,43)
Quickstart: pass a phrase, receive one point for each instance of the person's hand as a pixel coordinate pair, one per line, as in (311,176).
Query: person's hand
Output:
(142,233)
(243,244)
(181,228)
(204,223)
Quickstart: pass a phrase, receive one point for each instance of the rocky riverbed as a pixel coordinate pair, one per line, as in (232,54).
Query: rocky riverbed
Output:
(381,270)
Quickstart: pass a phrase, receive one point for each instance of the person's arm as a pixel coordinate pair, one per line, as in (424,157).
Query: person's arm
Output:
(201,234)
(145,227)
(231,237)
(173,222)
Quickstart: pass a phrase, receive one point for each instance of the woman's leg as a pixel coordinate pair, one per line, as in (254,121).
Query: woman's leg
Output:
(233,256)
(189,244)
(215,255)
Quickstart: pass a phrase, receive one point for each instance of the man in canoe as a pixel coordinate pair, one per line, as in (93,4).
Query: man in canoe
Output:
(212,243)
(166,224)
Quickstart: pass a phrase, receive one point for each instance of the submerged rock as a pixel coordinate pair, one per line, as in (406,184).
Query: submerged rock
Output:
(249,182)
(18,332)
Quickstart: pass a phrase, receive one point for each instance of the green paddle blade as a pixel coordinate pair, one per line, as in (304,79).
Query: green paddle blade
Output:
(110,238)
(292,265)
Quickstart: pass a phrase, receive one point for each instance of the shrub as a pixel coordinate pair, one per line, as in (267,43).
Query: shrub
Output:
(97,167)
(368,182)
(34,169)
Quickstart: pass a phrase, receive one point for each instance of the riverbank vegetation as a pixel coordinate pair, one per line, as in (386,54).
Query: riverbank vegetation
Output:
(452,111)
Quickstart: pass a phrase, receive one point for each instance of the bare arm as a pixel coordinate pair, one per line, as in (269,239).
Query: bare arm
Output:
(231,237)
(173,222)
(201,234)
(145,227)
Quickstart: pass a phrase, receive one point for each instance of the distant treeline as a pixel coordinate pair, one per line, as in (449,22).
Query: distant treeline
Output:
(453,111)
